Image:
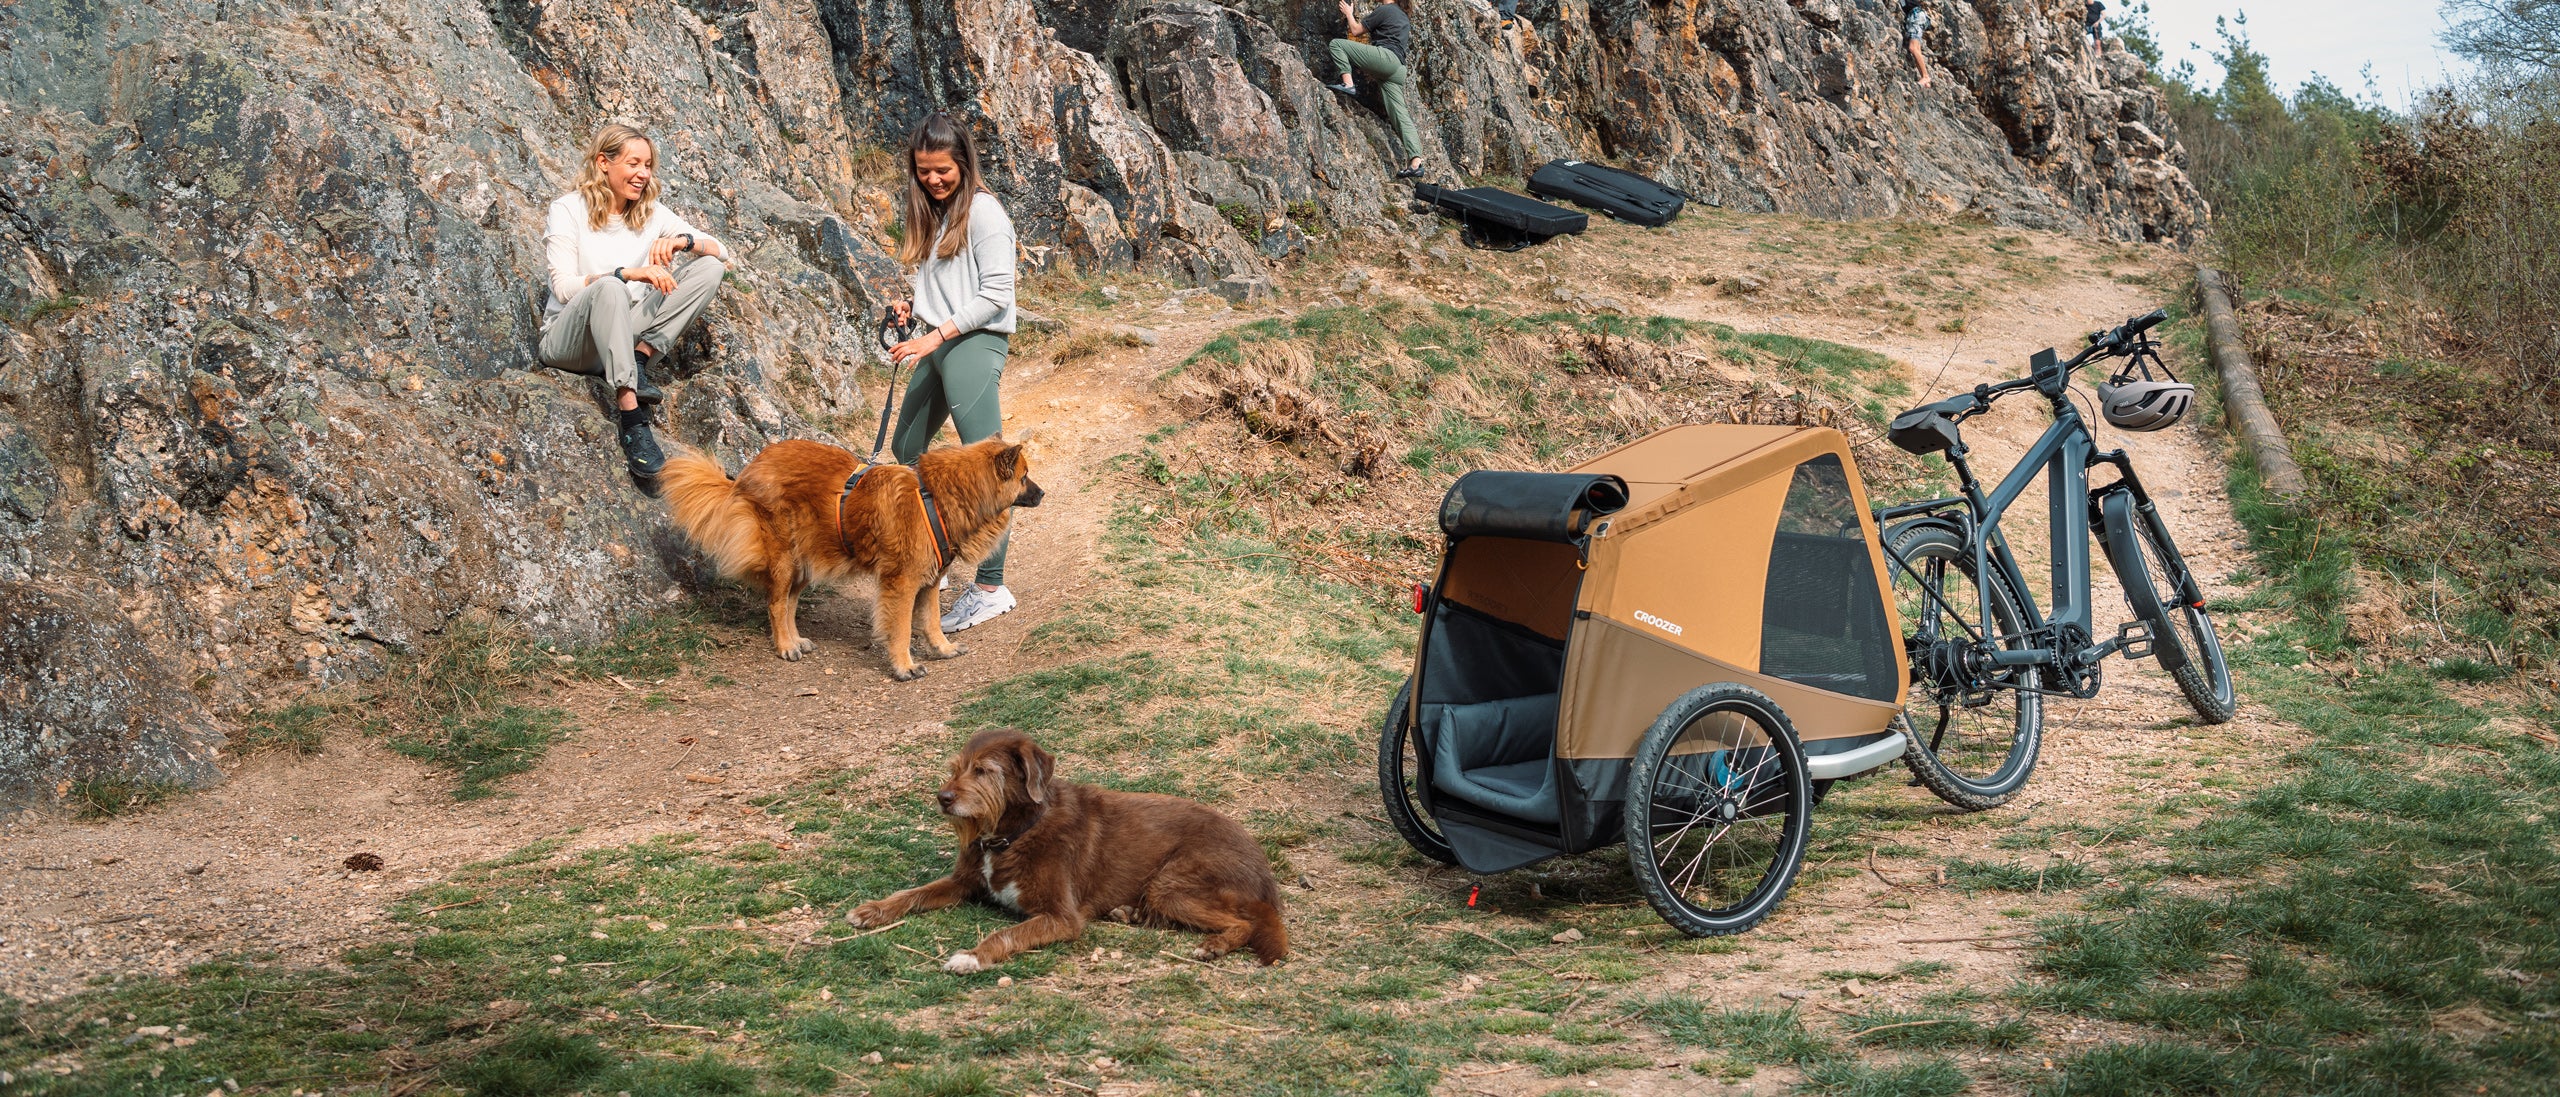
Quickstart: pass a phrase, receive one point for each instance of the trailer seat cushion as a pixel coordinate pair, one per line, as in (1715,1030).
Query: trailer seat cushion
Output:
(1497,755)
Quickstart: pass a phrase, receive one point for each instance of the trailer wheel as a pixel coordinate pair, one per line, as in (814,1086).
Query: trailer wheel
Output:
(1400,770)
(1719,810)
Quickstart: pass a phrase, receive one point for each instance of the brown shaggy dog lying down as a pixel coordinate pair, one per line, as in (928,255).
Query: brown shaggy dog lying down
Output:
(1066,854)
(787,522)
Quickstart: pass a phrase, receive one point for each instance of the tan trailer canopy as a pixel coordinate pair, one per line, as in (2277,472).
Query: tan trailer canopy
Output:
(1744,554)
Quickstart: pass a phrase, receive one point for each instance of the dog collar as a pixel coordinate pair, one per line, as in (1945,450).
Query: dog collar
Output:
(1000,844)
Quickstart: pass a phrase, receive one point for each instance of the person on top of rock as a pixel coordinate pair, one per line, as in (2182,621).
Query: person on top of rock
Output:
(615,306)
(960,242)
(2097,33)
(1381,58)
(1915,24)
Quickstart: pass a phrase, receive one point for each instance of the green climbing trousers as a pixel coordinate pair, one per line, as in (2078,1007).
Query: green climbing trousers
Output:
(1381,65)
(956,382)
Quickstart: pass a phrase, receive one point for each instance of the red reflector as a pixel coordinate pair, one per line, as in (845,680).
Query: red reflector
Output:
(1472,893)
(1421,597)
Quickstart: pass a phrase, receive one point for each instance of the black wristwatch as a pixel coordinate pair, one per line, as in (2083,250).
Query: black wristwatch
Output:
(688,240)
(617,274)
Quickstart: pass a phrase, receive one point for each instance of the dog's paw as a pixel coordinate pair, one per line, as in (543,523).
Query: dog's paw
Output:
(793,652)
(1125,915)
(962,963)
(953,652)
(908,675)
(868,915)
(1207,955)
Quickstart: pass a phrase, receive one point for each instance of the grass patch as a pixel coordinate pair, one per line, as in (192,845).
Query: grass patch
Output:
(108,797)
(2381,922)
(466,701)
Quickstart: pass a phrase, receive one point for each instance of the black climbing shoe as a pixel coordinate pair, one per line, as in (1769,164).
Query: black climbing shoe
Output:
(640,450)
(1353,93)
(1414,172)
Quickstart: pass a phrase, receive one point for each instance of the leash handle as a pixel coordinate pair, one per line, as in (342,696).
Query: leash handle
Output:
(904,330)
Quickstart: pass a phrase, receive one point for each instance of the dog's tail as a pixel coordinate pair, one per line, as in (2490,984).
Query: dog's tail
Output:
(1270,939)
(707,508)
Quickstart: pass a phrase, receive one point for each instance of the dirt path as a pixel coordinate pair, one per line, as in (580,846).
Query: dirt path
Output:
(254,864)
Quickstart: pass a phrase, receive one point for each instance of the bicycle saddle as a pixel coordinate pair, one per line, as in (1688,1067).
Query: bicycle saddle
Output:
(1927,428)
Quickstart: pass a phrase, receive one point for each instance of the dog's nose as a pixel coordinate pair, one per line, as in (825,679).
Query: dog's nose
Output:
(947,797)
(1031,494)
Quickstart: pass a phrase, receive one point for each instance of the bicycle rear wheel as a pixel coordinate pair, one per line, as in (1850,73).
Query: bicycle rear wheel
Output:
(1975,733)
(2182,636)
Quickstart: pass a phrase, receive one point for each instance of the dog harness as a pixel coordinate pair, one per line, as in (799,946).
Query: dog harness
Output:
(999,845)
(932,516)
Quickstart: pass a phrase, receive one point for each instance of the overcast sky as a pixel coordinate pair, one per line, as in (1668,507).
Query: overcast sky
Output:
(2335,38)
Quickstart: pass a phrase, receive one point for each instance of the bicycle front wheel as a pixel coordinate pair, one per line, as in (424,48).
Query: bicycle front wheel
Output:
(1975,731)
(2182,636)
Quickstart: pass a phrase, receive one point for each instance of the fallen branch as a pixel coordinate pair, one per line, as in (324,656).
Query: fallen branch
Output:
(1496,1070)
(111,921)
(450,906)
(1865,1032)
(1888,881)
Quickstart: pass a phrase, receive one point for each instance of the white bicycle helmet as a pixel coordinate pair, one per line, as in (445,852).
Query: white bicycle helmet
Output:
(2144,404)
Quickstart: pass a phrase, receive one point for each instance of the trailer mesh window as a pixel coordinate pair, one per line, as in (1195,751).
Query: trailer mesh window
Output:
(1822,619)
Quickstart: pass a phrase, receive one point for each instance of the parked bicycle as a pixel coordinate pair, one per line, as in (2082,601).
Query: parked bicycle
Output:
(1982,655)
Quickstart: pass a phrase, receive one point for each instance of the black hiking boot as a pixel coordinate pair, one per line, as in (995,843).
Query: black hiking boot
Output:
(640,448)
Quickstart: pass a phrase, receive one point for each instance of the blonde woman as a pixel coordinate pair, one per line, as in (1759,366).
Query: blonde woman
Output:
(960,243)
(615,303)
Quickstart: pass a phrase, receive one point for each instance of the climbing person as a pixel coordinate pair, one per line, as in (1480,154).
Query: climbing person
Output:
(960,243)
(2097,33)
(616,305)
(1381,58)
(1915,24)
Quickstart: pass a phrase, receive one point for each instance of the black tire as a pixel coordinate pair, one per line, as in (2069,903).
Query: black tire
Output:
(1397,777)
(1978,757)
(1716,828)
(2182,636)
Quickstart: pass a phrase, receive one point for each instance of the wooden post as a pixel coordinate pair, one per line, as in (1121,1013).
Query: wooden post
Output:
(2244,404)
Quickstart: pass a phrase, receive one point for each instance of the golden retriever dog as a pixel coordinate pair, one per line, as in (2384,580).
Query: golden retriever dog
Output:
(1065,854)
(787,522)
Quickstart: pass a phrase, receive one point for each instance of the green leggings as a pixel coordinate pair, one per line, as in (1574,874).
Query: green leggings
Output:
(956,382)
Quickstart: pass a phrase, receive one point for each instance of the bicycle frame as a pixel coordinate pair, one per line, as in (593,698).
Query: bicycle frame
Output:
(2062,638)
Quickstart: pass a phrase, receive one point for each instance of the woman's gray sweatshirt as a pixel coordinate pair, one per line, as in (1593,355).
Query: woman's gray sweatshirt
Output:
(974,288)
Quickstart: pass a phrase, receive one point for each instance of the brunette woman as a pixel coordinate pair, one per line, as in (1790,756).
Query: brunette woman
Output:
(615,303)
(960,244)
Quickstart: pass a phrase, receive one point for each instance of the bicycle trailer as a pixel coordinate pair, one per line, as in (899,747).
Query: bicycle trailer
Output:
(1674,645)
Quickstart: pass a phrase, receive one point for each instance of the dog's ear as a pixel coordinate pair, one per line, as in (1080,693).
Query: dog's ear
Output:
(1009,462)
(1035,770)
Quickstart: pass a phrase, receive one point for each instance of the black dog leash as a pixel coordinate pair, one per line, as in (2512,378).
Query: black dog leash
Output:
(903,330)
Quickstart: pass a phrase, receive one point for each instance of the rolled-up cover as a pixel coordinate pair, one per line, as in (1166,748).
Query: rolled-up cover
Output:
(1531,506)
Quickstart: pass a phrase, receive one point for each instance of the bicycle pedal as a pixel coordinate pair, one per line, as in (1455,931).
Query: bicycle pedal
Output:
(2133,639)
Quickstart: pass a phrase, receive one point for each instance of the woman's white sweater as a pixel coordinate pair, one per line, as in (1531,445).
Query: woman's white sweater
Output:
(973,289)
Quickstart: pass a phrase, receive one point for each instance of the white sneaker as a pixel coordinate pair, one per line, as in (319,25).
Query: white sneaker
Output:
(943,583)
(977,606)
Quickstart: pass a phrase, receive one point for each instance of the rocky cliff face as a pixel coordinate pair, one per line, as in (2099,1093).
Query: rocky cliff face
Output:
(269,269)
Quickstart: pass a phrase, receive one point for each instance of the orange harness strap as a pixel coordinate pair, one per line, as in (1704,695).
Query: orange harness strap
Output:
(932,516)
